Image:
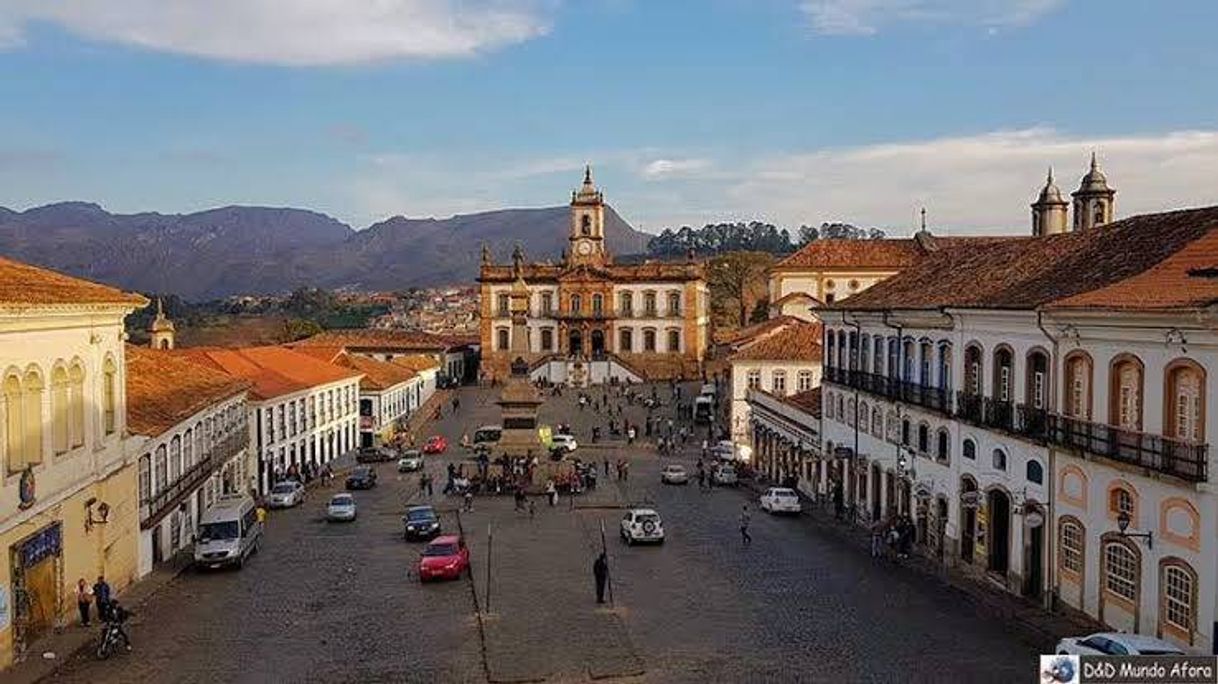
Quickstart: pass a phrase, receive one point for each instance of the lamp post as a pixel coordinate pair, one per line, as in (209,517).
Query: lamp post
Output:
(1123,524)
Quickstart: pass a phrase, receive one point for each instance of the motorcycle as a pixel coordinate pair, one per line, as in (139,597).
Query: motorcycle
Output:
(112,635)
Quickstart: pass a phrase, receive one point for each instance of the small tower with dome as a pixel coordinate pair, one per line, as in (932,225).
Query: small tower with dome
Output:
(1049,210)
(161,331)
(1094,201)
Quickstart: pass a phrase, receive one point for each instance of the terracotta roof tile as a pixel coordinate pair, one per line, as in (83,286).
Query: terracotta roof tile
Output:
(1027,272)
(749,334)
(416,362)
(807,401)
(378,375)
(25,285)
(889,253)
(164,389)
(274,371)
(379,338)
(798,341)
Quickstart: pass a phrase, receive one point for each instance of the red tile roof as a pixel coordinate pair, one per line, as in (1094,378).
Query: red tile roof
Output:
(747,335)
(164,389)
(378,375)
(807,401)
(1128,261)
(887,254)
(274,371)
(797,341)
(380,338)
(416,362)
(24,285)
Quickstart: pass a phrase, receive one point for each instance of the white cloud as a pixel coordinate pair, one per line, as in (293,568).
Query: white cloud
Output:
(866,17)
(289,32)
(661,169)
(981,183)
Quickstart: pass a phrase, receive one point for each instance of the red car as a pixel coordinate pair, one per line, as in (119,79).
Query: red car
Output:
(436,444)
(445,557)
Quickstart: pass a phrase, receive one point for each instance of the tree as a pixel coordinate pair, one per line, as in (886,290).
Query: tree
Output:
(298,329)
(737,279)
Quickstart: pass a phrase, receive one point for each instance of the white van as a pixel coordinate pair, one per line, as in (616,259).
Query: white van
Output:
(229,532)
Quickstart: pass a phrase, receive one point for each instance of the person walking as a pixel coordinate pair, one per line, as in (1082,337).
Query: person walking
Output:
(469,501)
(705,448)
(745,537)
(838,501)
(84,599)
(101,596)
(600,572)
(877,537)
(606,467)
(430,482)
(552,492)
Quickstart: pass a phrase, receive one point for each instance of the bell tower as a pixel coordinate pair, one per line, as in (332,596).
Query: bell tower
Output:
(587,223)
(1094,201)
(1049,210)
(161,331)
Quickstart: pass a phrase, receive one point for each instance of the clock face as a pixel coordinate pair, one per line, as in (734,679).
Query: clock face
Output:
(584,248)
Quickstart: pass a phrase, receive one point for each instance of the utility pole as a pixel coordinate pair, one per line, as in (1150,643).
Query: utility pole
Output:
(609,574)
(489,546)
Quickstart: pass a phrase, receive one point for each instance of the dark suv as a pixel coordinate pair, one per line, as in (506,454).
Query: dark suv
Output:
(421,522)
(361,478)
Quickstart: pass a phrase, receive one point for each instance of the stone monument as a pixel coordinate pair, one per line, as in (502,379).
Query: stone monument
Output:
(520,400)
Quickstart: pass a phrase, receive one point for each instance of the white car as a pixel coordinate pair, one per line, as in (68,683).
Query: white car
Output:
(725,475)
(1116,643)
(341,508)
(565,442)
(642,525)
(410,461)
(674,474)
(286,494)
(780,500)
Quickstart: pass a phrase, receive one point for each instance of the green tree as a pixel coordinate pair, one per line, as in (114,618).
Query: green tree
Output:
(298,329)
(736,281)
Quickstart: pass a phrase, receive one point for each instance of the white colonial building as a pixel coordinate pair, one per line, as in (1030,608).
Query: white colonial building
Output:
(783,358)
(302,411)
(1038,406)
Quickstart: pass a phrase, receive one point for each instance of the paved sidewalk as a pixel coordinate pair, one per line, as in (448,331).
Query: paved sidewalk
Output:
(1038,625)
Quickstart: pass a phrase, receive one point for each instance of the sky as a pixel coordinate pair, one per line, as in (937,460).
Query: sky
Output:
(690,111)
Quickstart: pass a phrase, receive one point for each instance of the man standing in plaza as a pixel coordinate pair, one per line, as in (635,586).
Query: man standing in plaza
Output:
(745,537)
(600,571)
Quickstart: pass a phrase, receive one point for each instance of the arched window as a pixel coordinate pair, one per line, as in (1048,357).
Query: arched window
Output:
(893,369)
(674,303)
(1035,472)
(1125,392)
(972,370)
(1098,219)
(109,396)
(502,304)
(831,342)
(145,478)
(804,378)
(1122,576)
(864,416)
(1178,584)
(923,438)
(905,431)
(627,304)
(865,353)
(1078,386)
(877,355)
(853,342)
(754,381)
(877,423)
(910,362)
(649,340)
(626,340)
(160,470)
(778,382)
(1000,459)
(945,366)
(674,341)
(969,449)
(1036,394)
(1072,547)
(576,303)
(1122,501)
(843,351)
(598,303)
(175,459)
(32,414)
(1185,414)
(1003,374)
(829,403)
(585,224)
(894,427)
(926,354)
(841,407)
(547,303)
(14,426)
(849,407)
(76,404)
(502,341)
(59,409)
(944,451)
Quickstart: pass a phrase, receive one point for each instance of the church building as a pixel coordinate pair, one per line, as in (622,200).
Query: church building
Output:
(590,319)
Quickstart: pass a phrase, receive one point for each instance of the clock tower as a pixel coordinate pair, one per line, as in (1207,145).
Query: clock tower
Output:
(587,224)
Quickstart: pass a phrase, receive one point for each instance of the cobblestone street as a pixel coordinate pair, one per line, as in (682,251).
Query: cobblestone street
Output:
(334,603)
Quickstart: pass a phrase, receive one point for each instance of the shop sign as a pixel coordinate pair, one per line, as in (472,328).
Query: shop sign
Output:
(42,545)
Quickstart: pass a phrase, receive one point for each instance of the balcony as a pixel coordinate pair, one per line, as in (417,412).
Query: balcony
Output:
(894,389)
(161,503)
(970,408)
(998,415)
(1185,460)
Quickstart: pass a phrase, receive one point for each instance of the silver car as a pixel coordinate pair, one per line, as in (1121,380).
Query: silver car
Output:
(286,494)
(410,461)
(341,508)
(674,474)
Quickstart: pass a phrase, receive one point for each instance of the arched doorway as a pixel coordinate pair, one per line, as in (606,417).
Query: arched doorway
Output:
(876,474)
(940,525)
(575,343)
(598,342)
(969,499)
(1034,521)
(998,513)
(890,493)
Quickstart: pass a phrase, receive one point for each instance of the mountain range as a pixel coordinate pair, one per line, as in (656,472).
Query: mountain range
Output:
(264,250)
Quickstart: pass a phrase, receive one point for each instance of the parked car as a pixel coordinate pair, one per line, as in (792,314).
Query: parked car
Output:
(341,508)
(565,443)
(642,525)
(363,477)
(286,494)
(375,455)
(725,475)
(674,474)
(229,532)
(420,522)
(1116,643)
(780,500)
(444,558)
(436,444)
(411,460)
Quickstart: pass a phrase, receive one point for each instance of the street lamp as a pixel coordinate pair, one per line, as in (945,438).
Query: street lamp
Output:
(1123,524)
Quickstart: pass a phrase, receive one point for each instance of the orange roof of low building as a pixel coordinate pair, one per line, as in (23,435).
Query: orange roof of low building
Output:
(416,362)
(749,334)
(887,253)
(164,389)
(378,375)
(327,354)
(382,338)
(274,371)
(797,341)
(24,285)
(807,401)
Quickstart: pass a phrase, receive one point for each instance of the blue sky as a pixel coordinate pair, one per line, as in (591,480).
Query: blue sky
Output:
(793,111)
